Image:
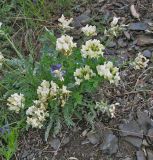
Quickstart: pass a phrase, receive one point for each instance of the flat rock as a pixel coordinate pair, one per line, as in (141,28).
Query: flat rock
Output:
(109,51)
(147,53)
(135,141)
(127,158)
(149,154)
(111,44)
(139,26)
(140,155)
(127,35)
(65,141)
(131,129)
(84,18)
(149,137)
(143,40)
(55,143)
(110,144)
(144,120)
(93,138)
(121,43)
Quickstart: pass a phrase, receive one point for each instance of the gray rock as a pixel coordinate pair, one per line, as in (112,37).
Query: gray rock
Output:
(121,43)
(135,141)
(109,52)
(65,141)
(127,158)
(139,26)
(31,156)
(93,138)
(84,18)
(110,144)
(149,154)
(131,129)
(149,137)
(127,35)
(55,143)
(147,53)
(144,120)
(111,44)
(143,40)
(140,155)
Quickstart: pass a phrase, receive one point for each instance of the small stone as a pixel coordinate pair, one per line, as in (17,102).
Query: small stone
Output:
(127,158)
(149,137)
(55,143)
(111,44)
(109,52)
(84,18)
(93,138)
(66,140)
(138,26)
(140,155)
(25,153)
(31,156)
(147,53)
(121,43)
(143,40)
(149,154)
(127,35)
(110,144)
(135,141)
(85,142)
(144,120)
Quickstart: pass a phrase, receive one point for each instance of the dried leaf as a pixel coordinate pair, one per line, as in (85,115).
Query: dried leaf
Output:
(134,13)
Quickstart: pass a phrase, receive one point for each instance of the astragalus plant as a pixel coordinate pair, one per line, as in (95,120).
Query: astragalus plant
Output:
(52,90)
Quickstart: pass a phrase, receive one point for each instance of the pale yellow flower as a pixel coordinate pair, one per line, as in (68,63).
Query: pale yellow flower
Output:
(65,23)
(65,45)
(16,102)
(92,49)
(89,30)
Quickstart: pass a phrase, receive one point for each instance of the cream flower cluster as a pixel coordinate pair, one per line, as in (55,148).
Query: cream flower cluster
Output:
(84,73)
(89,30)
(16,102)
(37,114)
(109,72)
(43,91)
(140,62)
(92,49)
(47,91)
(105,108)
(62,94)
(65,45)
(115,29)
(65,23)
(1,59)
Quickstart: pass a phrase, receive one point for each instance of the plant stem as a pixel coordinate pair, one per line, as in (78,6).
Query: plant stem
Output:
(3,86)
(12,44)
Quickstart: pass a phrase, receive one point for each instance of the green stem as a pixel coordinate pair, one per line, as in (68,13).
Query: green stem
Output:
(8,66)
(3,86)
(12,44)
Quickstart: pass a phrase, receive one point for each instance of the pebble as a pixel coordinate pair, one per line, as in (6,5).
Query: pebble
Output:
(139,26)
(55,143)
(143,40)
(93,138)
(110,144)
(140,155)
(147,53)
